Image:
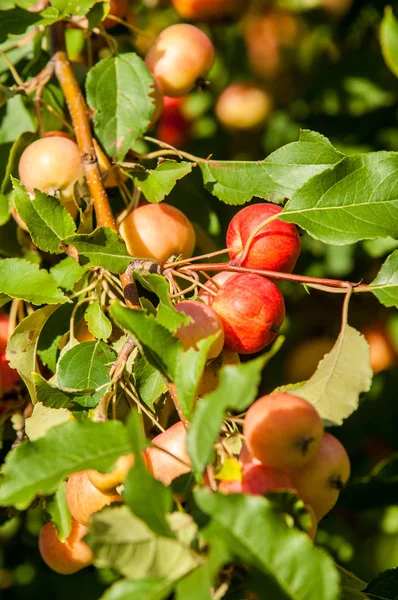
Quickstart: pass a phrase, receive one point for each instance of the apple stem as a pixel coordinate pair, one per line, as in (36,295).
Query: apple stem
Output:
(186,261)
(249,242)
(329,285)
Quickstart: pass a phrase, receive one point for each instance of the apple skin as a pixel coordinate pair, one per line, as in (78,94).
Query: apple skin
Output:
(230,487)
(84,499)
(259,479)
(66,557)
(283,431)
(213,285)
(158,231)
(173,127)
(52,165)
(118,8)
(180,56)
(205,322)
(163,466)
(382,353)
(243,107)
(208,10)
(108,482)
(251,309)
(8,376)
(320,482)
(276,247)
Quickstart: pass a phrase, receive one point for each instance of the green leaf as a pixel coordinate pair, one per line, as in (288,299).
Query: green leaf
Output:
(55,327)
(258,536)
(148,382)
(384,586)
(189,371)
(157,184)
(389,39)
(159,347)
(16,121)
(144,589)
(123,542)
(275,178)
(45,217)
(85,366)
(22,279)
(73,7)
(22,345)
(166,314)
(67,272)
(385,286)
(52,396)
(355,200)
(59,513)
(43,419)
(16,21)
(101,248)
(98,324)
(148,498)
(342,375)
(236,390)
(118,90)
(38,467)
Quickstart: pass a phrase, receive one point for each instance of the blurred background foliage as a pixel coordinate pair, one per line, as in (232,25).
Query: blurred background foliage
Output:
(321,63)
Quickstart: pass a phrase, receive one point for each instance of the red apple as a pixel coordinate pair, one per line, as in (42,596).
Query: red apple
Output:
(8,376)
(163,465)
(213,285)
(252,310)
(261,479)
(118,8)
(208,10)
(180,56)
(283,431)
(65,557)
(275,247)
(173,127)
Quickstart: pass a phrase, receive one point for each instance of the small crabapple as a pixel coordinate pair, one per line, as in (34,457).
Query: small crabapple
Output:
(118,8)
(251,309)
(211,374)
(283,431)
(160,457)
(65,557)
(52,165)
(275,247)
(158,231)
(204,322)
(84,499)
(208,10)
(320,482)
(180,56)
(8,376)
(243,107)
(262,479)
(173,128)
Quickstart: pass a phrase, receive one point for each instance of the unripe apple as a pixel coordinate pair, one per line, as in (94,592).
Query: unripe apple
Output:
(65,557)
(118,8)
(52,165)
(108,482)
(208,10)
(283,431)
(252,310)
(205,322)
(173,128)
(163,465)
(158,231)
(210,377)
(276,246)
(180,56)
(8,376)
(320,482)
(311,532)
(213,285)
(243,106)
(84,499)
(261,479)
